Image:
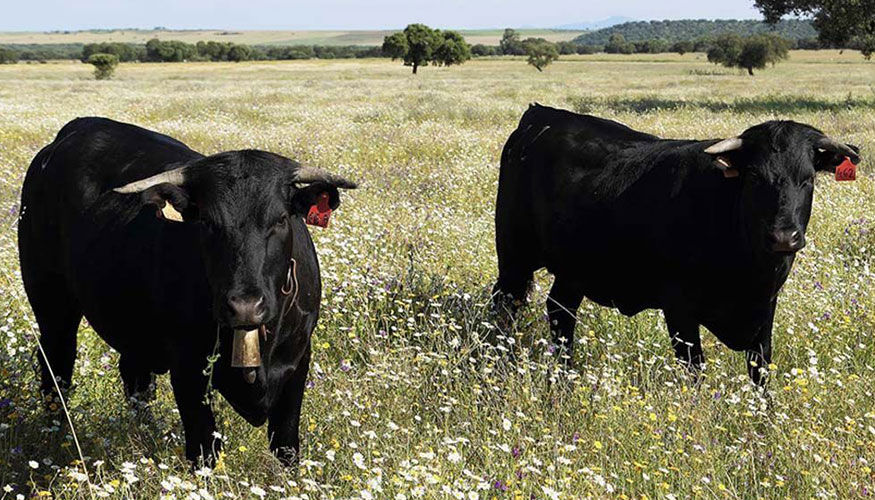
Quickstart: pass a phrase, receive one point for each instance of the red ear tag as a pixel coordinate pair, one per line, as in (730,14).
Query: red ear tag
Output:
(846,171)
(320,212)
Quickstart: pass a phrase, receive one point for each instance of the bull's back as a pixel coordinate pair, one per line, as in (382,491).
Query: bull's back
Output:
(599,202)
(87,158)
(559,170)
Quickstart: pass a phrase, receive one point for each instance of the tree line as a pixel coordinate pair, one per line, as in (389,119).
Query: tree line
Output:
(176,51)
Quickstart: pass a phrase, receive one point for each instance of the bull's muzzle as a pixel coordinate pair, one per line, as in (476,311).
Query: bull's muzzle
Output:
(788,241)
(246,353)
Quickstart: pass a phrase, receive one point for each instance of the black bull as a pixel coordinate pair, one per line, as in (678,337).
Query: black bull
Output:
(92,242)
(707,231)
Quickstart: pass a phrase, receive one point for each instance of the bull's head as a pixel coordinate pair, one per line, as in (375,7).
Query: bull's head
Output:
(776,162)
(244,204)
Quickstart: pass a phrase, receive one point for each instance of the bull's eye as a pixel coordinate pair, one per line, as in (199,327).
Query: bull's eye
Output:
(280,224)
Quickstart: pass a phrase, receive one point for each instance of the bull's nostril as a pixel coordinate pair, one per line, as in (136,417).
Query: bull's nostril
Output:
(246,311)
(794,238)
(259,308)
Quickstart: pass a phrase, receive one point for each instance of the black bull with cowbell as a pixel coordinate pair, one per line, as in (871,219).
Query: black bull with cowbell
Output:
(239,274)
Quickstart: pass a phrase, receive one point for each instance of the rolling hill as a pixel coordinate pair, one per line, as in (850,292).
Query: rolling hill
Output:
(692,29)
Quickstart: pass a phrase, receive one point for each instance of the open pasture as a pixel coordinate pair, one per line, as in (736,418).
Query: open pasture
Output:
(401,403)
(260,37)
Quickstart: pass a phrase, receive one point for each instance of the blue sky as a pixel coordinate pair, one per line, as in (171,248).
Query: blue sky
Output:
(24,15)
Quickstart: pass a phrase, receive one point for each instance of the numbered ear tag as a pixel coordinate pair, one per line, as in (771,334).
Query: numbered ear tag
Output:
(320,212)
(846,171)
(170,213)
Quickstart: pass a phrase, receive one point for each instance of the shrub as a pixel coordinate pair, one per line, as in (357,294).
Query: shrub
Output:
(104,65)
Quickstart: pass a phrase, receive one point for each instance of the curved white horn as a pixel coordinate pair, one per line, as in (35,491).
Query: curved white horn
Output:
(313,174)
(835,146)
(175,177)
(724,146)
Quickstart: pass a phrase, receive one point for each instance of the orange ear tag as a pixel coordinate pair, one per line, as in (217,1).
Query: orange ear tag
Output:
(320,212)
(846,171)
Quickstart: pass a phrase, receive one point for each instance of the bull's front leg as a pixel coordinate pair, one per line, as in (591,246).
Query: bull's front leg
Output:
(759,355)
(189,390)
(285,416)
(686,341)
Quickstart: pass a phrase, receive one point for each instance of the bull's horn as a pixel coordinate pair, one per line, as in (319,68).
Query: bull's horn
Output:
(835,146)
(313,174)
(175,177)
(724,146)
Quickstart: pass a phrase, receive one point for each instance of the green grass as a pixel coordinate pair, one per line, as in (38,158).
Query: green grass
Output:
(400,403)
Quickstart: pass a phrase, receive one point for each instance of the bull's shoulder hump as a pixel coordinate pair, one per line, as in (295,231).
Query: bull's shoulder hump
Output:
(95,131)
(538,116)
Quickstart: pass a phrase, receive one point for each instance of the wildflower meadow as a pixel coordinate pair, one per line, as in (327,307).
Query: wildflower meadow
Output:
(405,400)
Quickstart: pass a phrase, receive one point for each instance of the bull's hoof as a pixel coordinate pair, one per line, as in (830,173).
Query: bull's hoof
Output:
(287,456)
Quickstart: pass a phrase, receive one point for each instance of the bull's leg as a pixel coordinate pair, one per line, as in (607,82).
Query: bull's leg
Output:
(508,296)
(685,340)
(759,355)
(562,304)
(58,315)
(138,379)
(189,390)
(758,360)
(285,416)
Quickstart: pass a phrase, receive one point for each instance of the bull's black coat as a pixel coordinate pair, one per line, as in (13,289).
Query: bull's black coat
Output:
(158,291)
(633,221)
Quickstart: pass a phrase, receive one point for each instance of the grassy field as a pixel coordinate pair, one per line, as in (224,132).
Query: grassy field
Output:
(299,37)
(399,406)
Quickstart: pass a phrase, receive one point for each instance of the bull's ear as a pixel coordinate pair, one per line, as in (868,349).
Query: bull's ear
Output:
(160,189)
(305,197)
(721,153)
(829,154)
(172,202)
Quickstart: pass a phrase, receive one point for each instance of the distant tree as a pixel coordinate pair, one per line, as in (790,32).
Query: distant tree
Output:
(418,46)
(750,53)
(239,52)
(453,49)
(838,22)
(540,52)
(484,50)
(104,65)
(725,50)
(510,44)
(8,56)
(170,51)
(213,51)
(566,48)
(683,47)
(617,44)
(395,45)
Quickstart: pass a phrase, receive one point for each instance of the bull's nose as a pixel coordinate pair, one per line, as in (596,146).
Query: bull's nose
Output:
(787,241)
(246,311)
